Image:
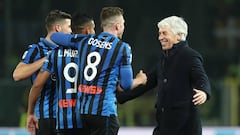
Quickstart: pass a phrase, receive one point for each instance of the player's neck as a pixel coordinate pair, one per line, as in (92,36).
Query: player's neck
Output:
(113,32)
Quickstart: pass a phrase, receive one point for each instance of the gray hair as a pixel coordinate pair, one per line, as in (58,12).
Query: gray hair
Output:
(176,24)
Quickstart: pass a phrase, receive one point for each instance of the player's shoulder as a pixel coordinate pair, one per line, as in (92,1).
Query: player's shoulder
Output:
(32,46)
(30,50)
(79,37)
(125,44)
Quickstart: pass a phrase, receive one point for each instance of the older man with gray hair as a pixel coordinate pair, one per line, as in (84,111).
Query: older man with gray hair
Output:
(181,81)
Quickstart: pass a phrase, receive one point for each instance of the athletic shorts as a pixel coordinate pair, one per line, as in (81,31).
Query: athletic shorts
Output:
(46,127)
(101,125)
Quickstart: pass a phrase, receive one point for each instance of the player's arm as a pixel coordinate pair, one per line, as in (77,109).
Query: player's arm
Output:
(42,77)
(32,122)
(24,71)
(69,40)
(151,83)
(36,89)
(40,81)
(126,72)
(140,79)
(126,78)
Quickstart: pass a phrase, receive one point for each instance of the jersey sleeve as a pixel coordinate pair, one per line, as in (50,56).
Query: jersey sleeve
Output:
(30,54)
(127,55)
(126,72)
(125,96)
(126,77)
(48,64)
(68,40)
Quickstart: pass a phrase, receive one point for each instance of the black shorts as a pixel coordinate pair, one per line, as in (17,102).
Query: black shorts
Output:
(79,131)
(101,125)
(46,127)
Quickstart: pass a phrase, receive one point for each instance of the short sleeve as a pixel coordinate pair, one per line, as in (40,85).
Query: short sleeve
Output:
(30,54)
(48,64)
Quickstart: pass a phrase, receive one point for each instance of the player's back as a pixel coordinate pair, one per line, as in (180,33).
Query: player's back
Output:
(62,62)
(100,59)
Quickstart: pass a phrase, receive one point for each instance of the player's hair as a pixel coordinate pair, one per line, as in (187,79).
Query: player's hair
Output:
(176,24)
(80,21)
(55,16)
(109,15)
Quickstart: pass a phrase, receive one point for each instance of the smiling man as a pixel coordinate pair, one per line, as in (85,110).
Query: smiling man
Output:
(181,81)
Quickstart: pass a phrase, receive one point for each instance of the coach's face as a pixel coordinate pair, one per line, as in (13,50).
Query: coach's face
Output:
(167,38)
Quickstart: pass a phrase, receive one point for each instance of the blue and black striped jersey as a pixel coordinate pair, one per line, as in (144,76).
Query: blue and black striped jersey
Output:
(63,63)
(46,104)
(101,59)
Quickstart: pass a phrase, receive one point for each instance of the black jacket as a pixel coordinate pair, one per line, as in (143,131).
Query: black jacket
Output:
(179,70)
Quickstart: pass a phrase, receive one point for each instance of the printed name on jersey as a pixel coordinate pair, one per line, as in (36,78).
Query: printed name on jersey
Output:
(99,43)
(64,103)
(68,53)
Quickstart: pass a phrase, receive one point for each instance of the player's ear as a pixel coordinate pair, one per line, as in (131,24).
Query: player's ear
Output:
(85,31)
(88,30)
(117,26)
(57,27)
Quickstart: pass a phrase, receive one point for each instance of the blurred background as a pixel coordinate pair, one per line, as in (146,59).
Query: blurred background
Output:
(214,31)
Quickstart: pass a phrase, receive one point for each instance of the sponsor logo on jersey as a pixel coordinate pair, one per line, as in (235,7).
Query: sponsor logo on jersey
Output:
(64,103)
(90,89)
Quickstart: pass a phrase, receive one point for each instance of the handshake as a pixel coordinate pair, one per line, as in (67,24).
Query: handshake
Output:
(140,79)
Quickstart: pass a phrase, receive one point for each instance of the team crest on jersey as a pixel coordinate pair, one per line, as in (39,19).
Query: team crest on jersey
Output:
(53,77)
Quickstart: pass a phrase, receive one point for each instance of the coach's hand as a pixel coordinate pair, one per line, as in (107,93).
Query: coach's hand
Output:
(199,97)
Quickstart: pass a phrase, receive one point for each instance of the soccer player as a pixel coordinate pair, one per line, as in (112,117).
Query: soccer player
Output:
(63,63)
(31,62)
(103,60)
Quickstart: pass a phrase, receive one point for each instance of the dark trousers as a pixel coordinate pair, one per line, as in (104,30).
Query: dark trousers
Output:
(46,127)
(101,125)
(178,121)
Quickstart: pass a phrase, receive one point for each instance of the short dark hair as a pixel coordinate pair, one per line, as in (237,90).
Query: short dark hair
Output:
(109,12)
(79,21)
(55,16)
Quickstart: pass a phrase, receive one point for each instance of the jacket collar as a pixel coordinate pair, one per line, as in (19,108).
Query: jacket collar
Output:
(174,49)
